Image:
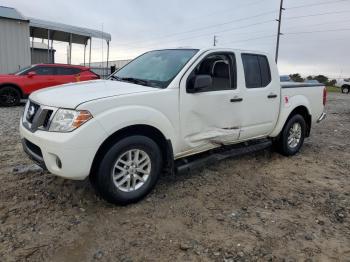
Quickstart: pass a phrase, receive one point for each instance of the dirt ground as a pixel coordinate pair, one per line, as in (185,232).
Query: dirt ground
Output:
(260,207)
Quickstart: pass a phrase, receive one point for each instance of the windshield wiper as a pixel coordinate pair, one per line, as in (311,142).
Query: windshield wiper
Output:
(115,78)
(135,81)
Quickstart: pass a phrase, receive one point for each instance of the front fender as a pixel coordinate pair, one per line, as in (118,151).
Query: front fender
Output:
(118,118)
(287,109)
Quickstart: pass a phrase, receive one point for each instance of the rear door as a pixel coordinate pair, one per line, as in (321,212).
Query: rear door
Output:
(210,117)
(66,75)
(260,107)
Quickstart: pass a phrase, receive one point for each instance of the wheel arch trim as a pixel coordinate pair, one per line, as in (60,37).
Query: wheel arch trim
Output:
(165,144)
(301,108)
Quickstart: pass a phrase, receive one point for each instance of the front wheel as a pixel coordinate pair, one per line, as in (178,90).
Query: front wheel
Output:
(292,136)
(9,96)
(129,170)
(345,89)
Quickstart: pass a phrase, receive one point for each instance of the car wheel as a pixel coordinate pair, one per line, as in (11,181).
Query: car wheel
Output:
(345,89)
(292,136)
(9,96)
(129,170)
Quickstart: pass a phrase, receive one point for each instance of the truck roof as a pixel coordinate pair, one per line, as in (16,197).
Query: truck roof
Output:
(205,49)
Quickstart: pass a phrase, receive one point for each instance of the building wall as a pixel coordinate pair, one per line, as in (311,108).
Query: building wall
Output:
(40,56)
(14,45)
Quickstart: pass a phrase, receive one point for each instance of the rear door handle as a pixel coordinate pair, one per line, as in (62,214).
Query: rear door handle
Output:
(236,99)
(272,96)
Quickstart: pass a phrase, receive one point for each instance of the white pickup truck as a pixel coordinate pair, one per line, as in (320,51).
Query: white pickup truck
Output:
(167,110)
(344,84)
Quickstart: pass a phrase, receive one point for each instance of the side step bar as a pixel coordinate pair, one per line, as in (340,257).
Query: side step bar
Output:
(191,163)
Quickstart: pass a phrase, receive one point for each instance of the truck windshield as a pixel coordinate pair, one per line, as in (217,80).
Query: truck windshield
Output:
(156,68)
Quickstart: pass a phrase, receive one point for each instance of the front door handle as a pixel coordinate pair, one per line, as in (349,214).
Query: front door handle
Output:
(272,96)
(236,99)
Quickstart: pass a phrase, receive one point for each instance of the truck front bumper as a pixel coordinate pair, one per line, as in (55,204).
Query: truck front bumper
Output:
(322,117)
(68,155)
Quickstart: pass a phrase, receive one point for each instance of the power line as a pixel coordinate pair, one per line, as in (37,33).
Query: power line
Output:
(242,19)
(326,23)
(214,25)
(208,34)
(316,4)
(212,13)
(250,39)
(317,14)
(319,31)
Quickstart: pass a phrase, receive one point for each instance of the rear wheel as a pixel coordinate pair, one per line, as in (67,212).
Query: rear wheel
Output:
(345,89)
(9,96)
(129,170)
(292,136)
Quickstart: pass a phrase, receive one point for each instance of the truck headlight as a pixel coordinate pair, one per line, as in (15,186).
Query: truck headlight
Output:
(66,120)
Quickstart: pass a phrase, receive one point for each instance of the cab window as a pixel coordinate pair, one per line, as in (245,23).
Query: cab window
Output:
(256,70)
(67,71)
(44,70)
(221,67)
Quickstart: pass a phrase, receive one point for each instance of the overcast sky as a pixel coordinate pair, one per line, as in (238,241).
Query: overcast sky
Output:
(138,26)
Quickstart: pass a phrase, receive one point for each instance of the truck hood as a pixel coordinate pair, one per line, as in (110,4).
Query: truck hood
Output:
(74,94)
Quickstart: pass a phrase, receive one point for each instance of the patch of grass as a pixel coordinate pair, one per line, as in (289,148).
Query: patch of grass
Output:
(333,89)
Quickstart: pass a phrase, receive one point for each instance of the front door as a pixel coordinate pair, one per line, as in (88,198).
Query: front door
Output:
(44,77)
(210,117)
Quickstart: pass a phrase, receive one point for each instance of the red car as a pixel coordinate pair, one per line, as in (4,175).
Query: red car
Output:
(13,87)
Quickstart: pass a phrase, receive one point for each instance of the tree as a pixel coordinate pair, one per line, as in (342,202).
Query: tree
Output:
(332,82)
(322,79)
(296,77)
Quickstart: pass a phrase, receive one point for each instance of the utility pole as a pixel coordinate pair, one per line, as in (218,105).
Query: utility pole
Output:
(215,40)
(279,30)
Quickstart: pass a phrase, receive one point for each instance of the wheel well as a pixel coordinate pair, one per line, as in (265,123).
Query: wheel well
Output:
(302,110)
(345,86)
(14,86)
(145,130)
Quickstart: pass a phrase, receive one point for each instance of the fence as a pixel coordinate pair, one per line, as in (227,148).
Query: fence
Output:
(103,72)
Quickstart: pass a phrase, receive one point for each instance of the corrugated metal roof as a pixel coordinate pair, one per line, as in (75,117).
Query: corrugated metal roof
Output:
(11,13)
(79,31)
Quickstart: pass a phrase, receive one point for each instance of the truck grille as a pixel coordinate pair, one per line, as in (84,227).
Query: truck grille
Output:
(37,117)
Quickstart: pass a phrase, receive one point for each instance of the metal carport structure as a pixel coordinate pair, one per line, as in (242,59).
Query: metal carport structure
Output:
(66,33)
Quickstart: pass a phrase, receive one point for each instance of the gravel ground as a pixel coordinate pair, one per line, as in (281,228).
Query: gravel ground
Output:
(260,207)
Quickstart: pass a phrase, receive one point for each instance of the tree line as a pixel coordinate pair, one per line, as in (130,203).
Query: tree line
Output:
(320,78)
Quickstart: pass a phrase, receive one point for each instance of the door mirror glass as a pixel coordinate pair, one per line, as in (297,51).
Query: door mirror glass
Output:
(31,74)
(199,83)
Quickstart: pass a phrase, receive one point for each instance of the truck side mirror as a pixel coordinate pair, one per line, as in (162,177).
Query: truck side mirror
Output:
(198,83)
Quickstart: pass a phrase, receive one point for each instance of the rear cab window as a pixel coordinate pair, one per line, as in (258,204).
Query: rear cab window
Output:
(256,70)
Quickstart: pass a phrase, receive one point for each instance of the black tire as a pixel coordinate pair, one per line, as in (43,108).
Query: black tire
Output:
(9,96)
(103,178)
(282,144)
(345,89)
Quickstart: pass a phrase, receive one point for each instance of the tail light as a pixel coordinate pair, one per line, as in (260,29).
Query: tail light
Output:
(324,96)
